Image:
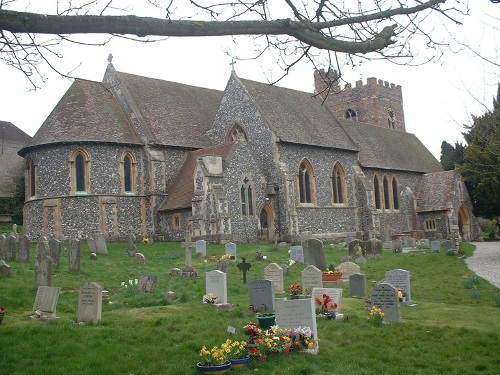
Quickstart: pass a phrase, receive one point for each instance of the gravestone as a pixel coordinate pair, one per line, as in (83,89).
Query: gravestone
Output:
(400,279)
(447,245)
(201,247)
(74,255)
(231,249)
(261,292)
(46,301)
(334,293)
(101,244)
(314,254)
(131,248)
(55,251)
(385,297)
(373,248)
(348,269)
(409,241)
(92,245)
(10,253)
(423,243)
(397,246)
(24,249)
(244,267)
(297,253)
(3,246)
(140,258)
(216,283)
(348,240)
(147,283)
(436,246)
(347,258)
(357,285)
(43,264)
(356,249)
(5,269)
(286,269)
(188,245)
(311,278)
(274,273)
(90,303)
(223,265)
(360,260)
(93,256)
(291,314)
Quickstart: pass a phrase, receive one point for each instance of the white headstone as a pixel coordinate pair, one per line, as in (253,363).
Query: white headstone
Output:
(216,284)
(231,249)
(385,297)
(311,278)
(334,293)
(274,273)
(297,253)
(201,247)
(90,303)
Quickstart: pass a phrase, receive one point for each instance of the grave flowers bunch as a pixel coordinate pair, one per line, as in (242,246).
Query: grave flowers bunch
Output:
(213,357)
(376,316)
(304,337)
(225,256)
(211,298)
(235,349)
(251,330)
(131,285)
(295,289)
(324,304)
(276,339)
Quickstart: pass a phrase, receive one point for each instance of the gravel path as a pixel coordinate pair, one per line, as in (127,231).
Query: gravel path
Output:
(485,262)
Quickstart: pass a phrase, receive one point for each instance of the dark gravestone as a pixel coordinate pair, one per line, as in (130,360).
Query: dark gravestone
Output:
(43,264)
(10,254)
(24,249)
(244,267)
(261,292)
(74,255)
(356,249)
(147,283)
(55,251)
(313,253)
(357,285)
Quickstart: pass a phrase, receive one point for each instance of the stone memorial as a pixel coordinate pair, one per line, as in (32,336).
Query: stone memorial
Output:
(274,273)
(131,248)
(447,245)
(348,240)
(423,243)
(334,293)
(147,283)
(3,246)
(385,297)
(373,248)
(24,249)
(91,245)
(46,302)
(101,244)
(360,260)
(55,251)
(261,292)
(356,248)
(397,246)
(244,267)
(357,285)
(231,249)
(90,303)
(348,269)
(311,278)
(436,246)
(314,254)
(399,278)
(201,247)
(216,283)
(140,258)
(74,255)
(223,265)
(10,253)
(409,241)
(5,269)
(297,253)
(43,264)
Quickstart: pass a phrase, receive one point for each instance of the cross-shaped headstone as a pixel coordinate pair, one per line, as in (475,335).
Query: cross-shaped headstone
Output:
(188,245)
(244,267)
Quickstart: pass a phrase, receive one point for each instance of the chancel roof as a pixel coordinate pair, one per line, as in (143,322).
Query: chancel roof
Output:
(435,191)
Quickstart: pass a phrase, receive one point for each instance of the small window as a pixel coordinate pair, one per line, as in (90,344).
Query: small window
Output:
(237,133)
(176,221)
(338,184)
(79,171)
(430,224)
(376,190)
(246,195)
(350,114)
(387,194)
(128,173)
(306,182)
(31,178)
(395,193)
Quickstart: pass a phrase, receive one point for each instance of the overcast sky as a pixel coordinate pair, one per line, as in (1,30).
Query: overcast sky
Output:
(438,98)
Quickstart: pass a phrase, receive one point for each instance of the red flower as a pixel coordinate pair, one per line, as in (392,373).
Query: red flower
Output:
(2,309)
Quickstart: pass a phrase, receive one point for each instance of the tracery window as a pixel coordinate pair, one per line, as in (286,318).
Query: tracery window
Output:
(387,194)
(30,177)
(395,193)
(376,190)
(128,172)
(79,171)
(247,199)
(338,184)
(306,182)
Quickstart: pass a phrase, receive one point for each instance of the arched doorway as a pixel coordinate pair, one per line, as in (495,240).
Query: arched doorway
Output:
(463,224)
(266,226)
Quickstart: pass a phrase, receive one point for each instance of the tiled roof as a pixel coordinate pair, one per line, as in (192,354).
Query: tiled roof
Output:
(390,149)
(434,191)
(87,112)
(298,117)
(182,189)
(176,114)
(12,135)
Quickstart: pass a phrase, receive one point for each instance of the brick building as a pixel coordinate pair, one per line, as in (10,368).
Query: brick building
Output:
(254,162)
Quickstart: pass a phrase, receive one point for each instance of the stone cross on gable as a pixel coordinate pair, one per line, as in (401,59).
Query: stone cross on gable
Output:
(187,245)
(244,267)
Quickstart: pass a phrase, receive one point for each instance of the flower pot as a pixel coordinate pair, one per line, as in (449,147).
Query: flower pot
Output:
(214,370)
(261,358)
(239,362)
(266,321)
(331,276)
(2,315)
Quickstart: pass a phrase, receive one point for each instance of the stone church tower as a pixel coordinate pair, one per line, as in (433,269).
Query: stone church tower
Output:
(378,103)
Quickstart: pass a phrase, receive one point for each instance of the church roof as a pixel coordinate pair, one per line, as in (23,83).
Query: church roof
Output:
(182,189)
(176,114)
(298,117)
(435,191)
(390,149)
(88,112)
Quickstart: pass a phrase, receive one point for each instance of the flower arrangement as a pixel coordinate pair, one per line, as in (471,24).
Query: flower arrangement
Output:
(214,357)
(303,337)
(225,256)
(252,330)
(211,298)
(145,240)
(324,304)
(295,288)
(131,285)
(235,349)
(376,316)
(401,295)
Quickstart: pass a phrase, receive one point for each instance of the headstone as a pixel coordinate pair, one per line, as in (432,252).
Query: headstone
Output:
(171,295)
(397,246)
(385,297)
(436,246)
(93,256)
(55,251)
(46,300)
(291,314)
(348,269)
(74,255)
(311,278)
(10,254)
(131,248)
(43,264)
(400,279)
(347,258)
(201,247)
(447,245)
(3,246)
(423,243)
(274,273)
(297,253)
(231,249)
(357,285)
(261,292)
(244,267)
(216,284)
(90,303)
(188,245)
(147,283)
(374,248)
(409,241)
(360,260)
(24,249)
(101,244)
(92,245)
(140,258)
(355,248)
(313,253)
(334,293)
(286,269)
(5,269)
(348,240)
(223,265)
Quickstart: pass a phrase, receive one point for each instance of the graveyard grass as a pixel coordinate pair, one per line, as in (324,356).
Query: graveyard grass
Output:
(453,329)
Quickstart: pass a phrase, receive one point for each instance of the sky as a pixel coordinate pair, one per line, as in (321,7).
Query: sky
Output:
(438,98)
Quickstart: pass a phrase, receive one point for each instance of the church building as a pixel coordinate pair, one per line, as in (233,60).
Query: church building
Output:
(254,162)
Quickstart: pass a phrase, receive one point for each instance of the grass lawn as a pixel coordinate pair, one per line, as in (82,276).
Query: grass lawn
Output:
(453,329)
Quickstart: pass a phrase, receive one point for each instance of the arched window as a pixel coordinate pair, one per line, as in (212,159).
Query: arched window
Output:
(246,194)
(237,133)
(376,190)
(350,114)
(387,194)
(79,170)
(30,177)
(338,184)
(395,192)
(306,182)
(128,173)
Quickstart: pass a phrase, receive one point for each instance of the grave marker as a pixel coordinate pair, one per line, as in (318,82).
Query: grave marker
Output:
(261,292)
(314,254)
(201,247)
(400,279)
(46,301)
(348,269)
(90,303)
(147,283)
(311,278)
(101,244)
(297,253)
(74,255)
(92,245)
(436,246)
(131,248)
(334,293)
(244,267)
(216,283)
(55,251)
(357,285)
(24,249)
(447,245)
(5,269)
(274,273)
(231,249)
(385,297)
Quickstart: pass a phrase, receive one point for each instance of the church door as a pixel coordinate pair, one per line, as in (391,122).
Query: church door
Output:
(265,228)
(463,224)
